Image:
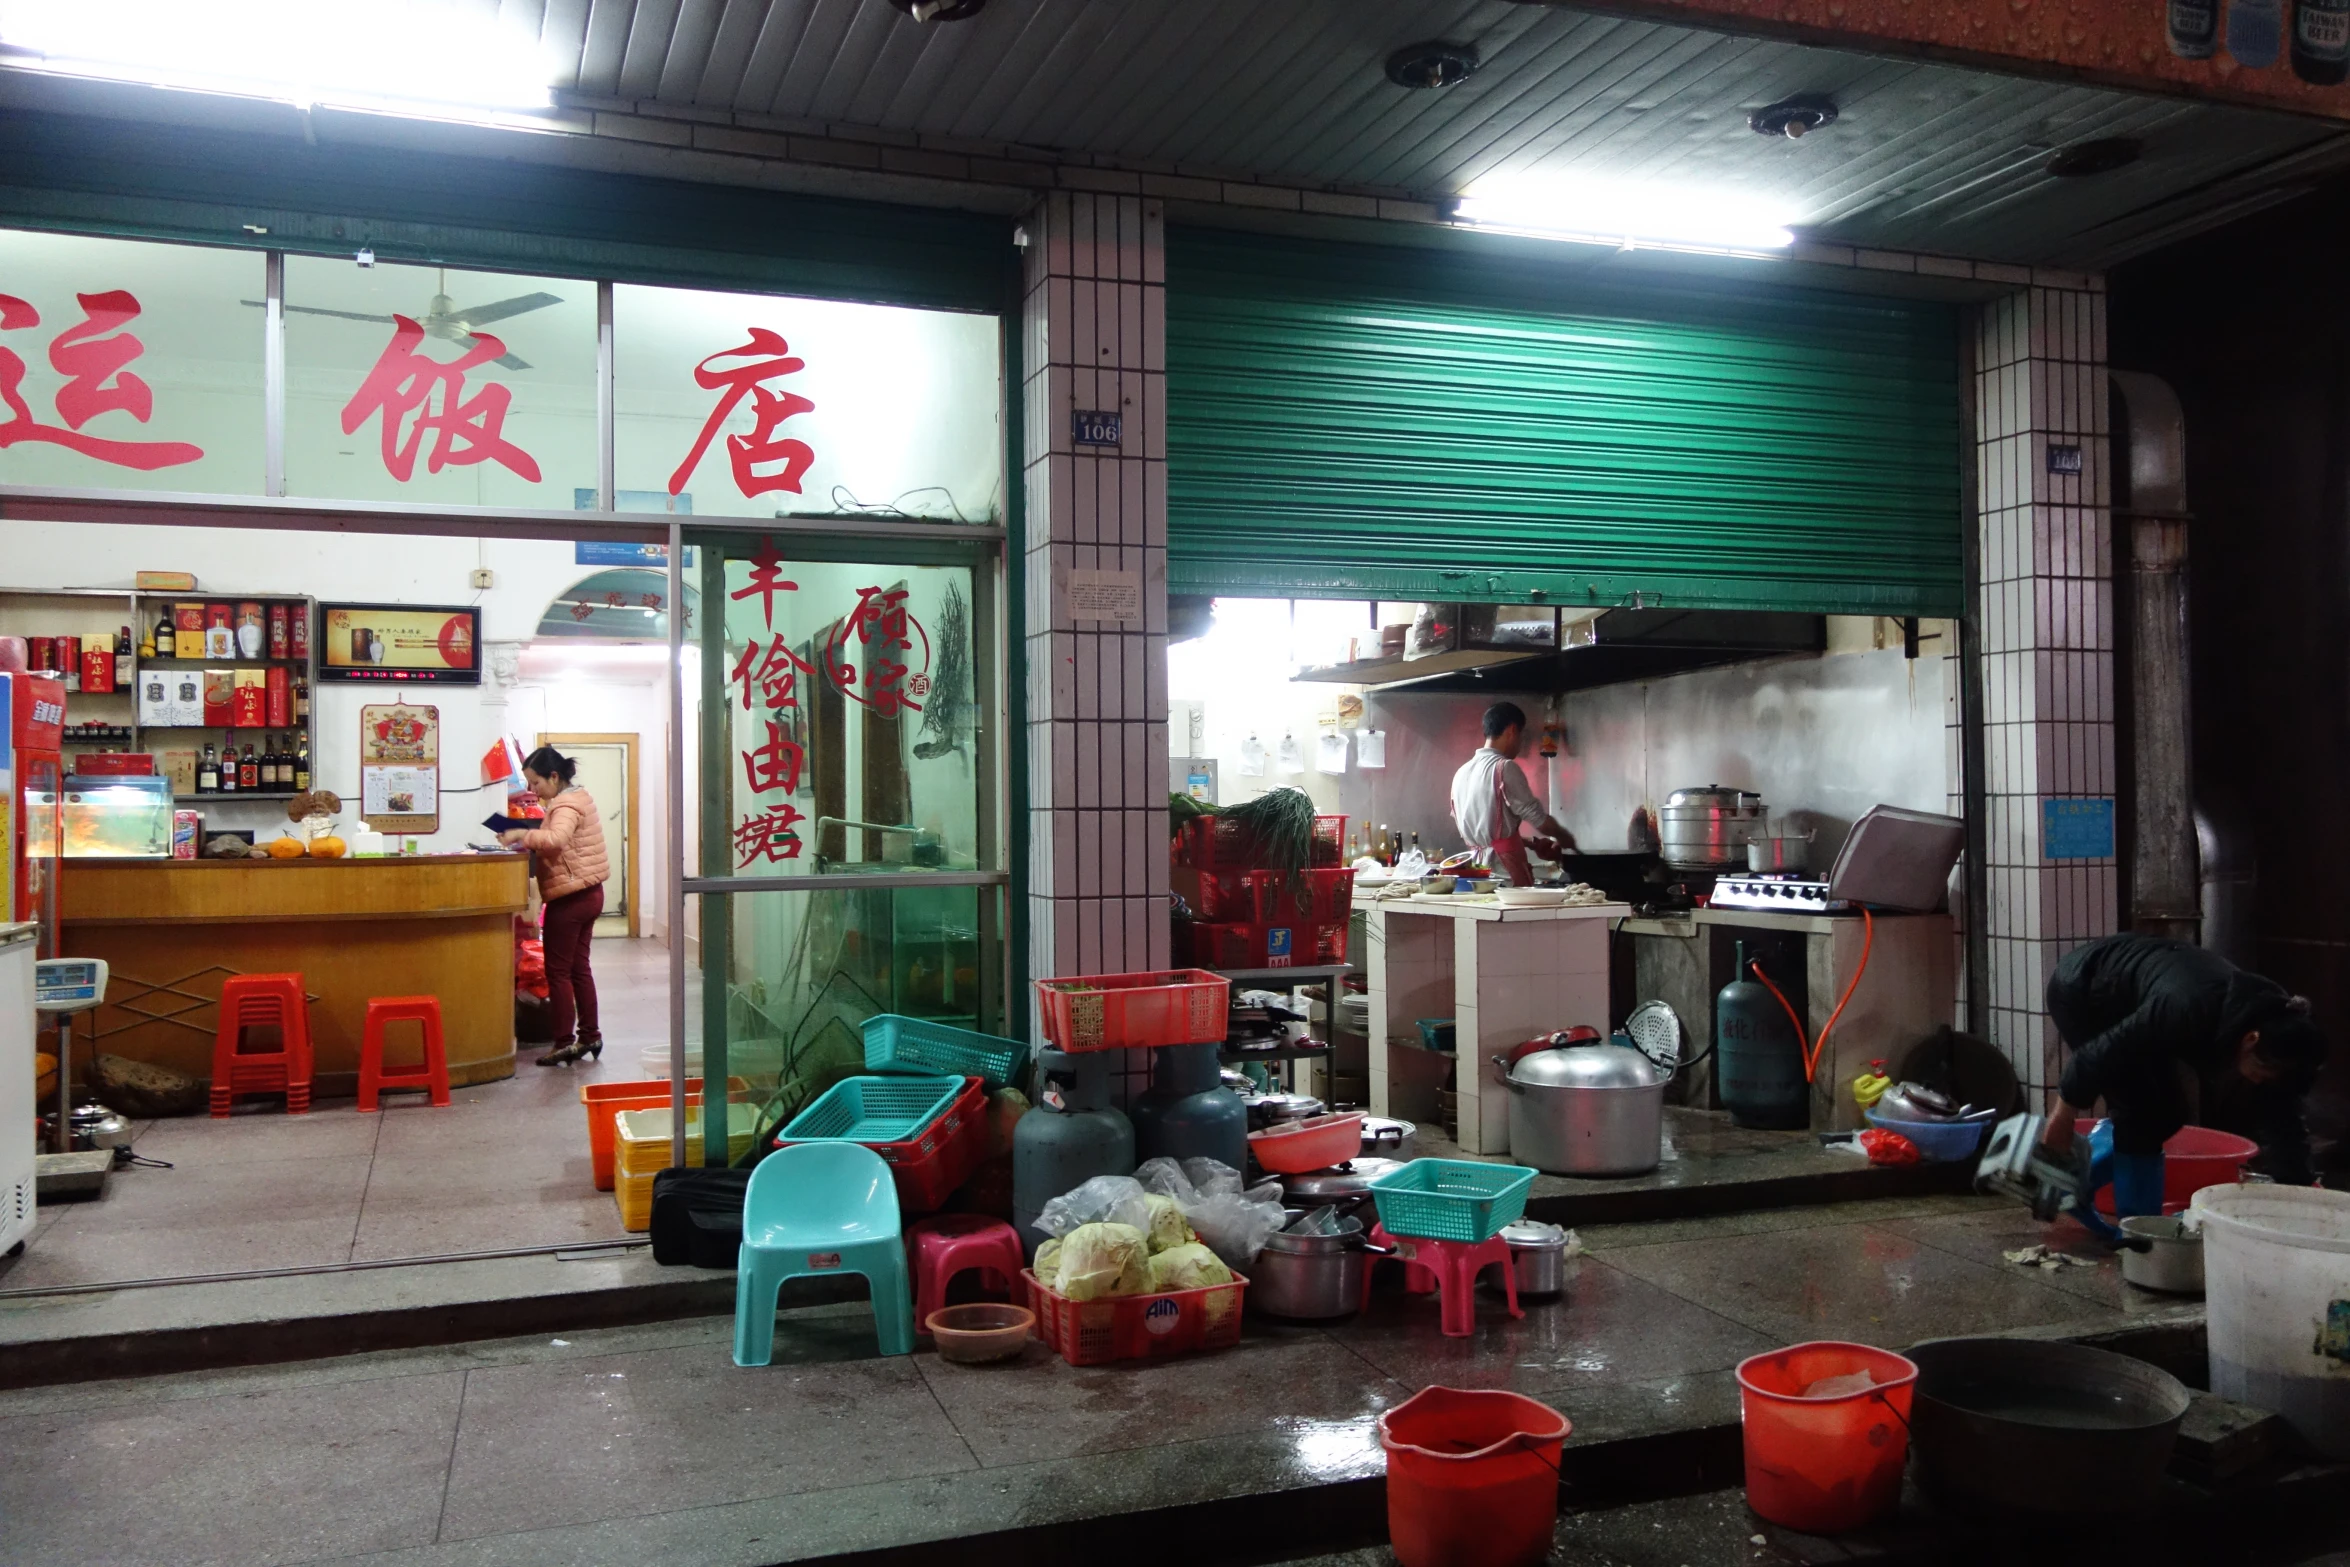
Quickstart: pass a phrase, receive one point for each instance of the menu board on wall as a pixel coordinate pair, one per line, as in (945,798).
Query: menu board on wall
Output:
(400,768)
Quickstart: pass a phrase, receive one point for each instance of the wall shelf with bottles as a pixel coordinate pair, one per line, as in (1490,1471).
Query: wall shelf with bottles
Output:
(123,716)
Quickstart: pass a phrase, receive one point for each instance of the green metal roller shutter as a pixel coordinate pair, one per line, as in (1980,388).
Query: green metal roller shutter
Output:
(1352,421)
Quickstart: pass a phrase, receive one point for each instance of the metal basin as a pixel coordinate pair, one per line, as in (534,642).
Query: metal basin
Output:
(2012,1426)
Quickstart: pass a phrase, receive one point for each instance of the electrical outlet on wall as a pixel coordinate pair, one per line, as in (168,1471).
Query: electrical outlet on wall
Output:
(483,577)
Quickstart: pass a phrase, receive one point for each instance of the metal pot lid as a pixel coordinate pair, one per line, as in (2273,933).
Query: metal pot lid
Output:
(1586,1066)
(1716,797)
(1387,1129)
(1534,1235)
(1286,1107)
(1341,1180)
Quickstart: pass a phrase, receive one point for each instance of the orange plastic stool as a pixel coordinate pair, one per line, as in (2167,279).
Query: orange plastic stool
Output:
(431,1074)
(946,1244)
(1452,1267)
(262,1001)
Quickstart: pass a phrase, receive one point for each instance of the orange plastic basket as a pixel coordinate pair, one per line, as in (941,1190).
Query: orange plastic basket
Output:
(1136,1327)
(606,1100)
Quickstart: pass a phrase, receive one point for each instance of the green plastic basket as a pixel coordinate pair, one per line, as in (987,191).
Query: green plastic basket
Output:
(912,1044)
(874,1110)
(1451,1199)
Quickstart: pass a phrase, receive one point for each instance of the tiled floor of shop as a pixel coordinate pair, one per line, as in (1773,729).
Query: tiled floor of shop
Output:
(647,1444)
(502,1165)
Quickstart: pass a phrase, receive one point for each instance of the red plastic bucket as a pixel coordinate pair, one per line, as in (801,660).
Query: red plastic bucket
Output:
(1472,1478)
(1825,1465)
(2193,1158)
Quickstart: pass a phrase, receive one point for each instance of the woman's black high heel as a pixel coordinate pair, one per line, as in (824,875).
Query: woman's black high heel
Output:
(565,1054)
(589,1049)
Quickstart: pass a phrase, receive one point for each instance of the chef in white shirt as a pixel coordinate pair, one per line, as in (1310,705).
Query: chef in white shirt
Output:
(1491,800)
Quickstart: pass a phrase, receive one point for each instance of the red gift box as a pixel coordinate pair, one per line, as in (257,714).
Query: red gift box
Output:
(281,699)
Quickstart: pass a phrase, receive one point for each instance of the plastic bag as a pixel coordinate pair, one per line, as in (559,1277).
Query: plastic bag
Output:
(1190,1267)
(1233,1223)
(1106,1199)
(1104,1259)
(1885,1147)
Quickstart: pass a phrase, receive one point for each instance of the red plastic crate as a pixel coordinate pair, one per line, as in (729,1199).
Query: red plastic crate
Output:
(1207,846)
(1329,843)
(927,1168)
(1283,944)
(1137,1327)
(1225,896)
(1126,1011)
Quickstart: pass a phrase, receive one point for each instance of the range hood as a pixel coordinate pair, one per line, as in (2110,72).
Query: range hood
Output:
(1591,648)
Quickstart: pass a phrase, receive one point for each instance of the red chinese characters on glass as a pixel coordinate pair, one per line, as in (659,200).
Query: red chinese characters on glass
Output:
(884,632)
(467,430)
(94,356)
(769,669)
(764,358)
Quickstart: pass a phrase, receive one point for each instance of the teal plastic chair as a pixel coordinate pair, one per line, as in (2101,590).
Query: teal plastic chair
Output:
(820,1208)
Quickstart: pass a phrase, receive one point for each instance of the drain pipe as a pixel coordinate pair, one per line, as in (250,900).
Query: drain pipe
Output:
(2166,889)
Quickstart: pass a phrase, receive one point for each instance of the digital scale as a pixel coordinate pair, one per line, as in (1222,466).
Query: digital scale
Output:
(63,987)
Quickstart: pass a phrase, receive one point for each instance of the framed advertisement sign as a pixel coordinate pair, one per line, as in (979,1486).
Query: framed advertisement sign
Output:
(400,644)
(400,767)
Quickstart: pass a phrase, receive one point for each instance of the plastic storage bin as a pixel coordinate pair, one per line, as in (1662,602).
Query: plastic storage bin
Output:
(643,1148)
(1825,1465)
(1472,1478)
(917,1045)
(939,1157)
(2276,1293)
(1451,1199)
(1939,1142)
(607,1100)
(1124,1011)
(1136,1327)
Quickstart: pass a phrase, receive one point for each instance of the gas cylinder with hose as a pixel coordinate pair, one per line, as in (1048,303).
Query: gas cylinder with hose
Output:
(1766,1064)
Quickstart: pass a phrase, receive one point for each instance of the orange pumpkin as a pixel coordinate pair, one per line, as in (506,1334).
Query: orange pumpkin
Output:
(327,848)
(285,849)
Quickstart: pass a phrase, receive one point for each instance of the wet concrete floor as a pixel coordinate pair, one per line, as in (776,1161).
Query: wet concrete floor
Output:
(646,1443)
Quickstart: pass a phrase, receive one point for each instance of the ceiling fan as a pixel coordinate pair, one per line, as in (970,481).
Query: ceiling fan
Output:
(442,319)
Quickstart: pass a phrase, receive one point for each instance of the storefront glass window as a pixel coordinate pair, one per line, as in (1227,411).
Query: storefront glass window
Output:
(850,721)
(432,384)
(129,366)
(756,405)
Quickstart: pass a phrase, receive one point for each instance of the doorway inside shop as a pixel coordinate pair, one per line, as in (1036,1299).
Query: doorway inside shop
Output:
(607,766)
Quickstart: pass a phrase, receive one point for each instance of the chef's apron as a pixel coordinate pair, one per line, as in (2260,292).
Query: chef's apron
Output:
(1507,852)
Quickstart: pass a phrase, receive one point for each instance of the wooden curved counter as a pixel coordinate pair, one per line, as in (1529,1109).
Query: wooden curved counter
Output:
(417,925)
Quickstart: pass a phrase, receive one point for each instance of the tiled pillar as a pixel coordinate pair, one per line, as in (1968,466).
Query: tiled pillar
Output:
(1094,327)
(2047,613)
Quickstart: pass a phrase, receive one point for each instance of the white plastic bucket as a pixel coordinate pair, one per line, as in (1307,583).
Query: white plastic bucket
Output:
(2277,1304)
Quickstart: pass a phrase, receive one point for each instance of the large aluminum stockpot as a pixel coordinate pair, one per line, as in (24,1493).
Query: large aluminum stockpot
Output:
(1595,1109)
(1315,1277)
(1707,829)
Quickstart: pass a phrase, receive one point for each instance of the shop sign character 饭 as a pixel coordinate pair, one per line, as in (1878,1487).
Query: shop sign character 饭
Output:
(469,429)
(94,356)
(766,356)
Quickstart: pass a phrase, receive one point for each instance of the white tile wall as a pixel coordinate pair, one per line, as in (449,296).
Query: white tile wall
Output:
(2047,608)
(1094,329)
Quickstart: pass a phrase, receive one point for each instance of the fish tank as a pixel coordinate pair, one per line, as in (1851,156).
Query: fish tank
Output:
(112,818)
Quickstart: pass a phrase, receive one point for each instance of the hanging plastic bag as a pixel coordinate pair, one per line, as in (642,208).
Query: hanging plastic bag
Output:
(1330,754)
(1370,748)
(1291,757)
(1252,757)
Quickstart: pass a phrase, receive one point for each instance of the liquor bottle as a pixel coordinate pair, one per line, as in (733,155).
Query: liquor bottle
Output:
(166,640)
(281,757)
(2193,26)
(268,764)
(2321,41)
(1415,843)
(208,771)
(248,771)
(69,663)
(302,699)
(228,764)
(302,763)
(122,646)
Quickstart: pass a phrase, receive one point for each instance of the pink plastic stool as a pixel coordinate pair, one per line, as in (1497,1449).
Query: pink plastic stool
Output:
(946,1244)
(1450,1267)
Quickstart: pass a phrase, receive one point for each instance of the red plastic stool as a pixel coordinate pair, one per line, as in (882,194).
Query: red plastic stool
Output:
(1451,1267)
(946,1244)
(430,1074)
(262,1001)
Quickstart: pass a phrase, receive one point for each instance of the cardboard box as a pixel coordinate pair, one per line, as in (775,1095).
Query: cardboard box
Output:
(155,706)
(220,698)
(281,698)
(165,582)
(180,768)
(187,830)
(187,620)
(187,697)
(251,698)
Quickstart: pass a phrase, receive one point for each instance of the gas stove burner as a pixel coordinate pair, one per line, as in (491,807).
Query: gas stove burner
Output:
(1783,891)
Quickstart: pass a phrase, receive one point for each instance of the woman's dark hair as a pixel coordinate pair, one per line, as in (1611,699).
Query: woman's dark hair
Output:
(548,762)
